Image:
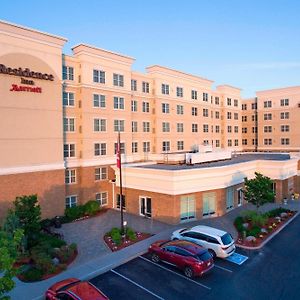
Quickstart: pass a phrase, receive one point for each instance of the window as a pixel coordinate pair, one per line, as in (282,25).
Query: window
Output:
(217,115)
(165,146)
(179,92)
(217,143)
(134,147)
(69,150)
(180,145)
(165,89)
(146,146)
(134,105)
(236,102)
(284,102)
(119,125)
(194,111)
(229,115)
(118,79)
(133,85)
(244,142)
(145,87)
(99,101)
(267,104)
(146,107)
(217,100)
(244,118)
(99,125)
(236,142)
(285,128)
(254,142)
(254,105)
(254,118)
(68,99)
(236,129)
(146,126)
(165,107)
(134,126)
(205,142)
(70,176)
(69,124)
(267,117)
(217,128)
(98,76)
(285,141)
(229,101)
(71,201)
(179,109)
(119,201)
(122,148)
(179,127)
(165,126)
(194,95)
(229,129)
(118,103)
(267,141)
(205,128)
(236,116)
(100,173)
(68,73)
(267,128)
(205,97)
(194,127)
(285,115)
(254,129)
(244,106)
(101,198)
(244,130)
(205,112)
(99,149)
(229,143)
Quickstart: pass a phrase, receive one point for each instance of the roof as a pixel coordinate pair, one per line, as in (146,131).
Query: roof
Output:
(208,230)
(191,247)
(86,291)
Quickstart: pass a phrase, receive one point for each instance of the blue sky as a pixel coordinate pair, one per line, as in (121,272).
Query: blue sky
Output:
(253,45)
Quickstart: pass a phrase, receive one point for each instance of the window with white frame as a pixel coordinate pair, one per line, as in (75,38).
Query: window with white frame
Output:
(254,129)
(194,95)
(244,118)
(134,105)
(229,115)
(236,116)
(70,176)
(145,87)
(134,126)
(68,73)
(244,142)
(217,143)
(165,108)
(229,143)
(146,126)
(205,112)
(71,201)
(267,129)
(179,92)
(119,125)
(134,147)
(165,127)
(284,102)
(69,124)
(180,145)
(100,173)
(244,130)
(100,149)
(118,103)
(236,102)
(229,101)
(165,89)
(217,128)
(254,142)
(267,104)
(217,100)
(122,148)
(68,99)
(179,109)
(165,146)
(146,107)
(99,125)
(101,198)
(285,141)
(118,79)
(284,115)
(69,150)
(236,142)
(267,141)
(146,146)
(99,101)
(267,116)
(285,128)
(133,85)
(179,127)
(244,106)
(254,118)
(99,76)
(217,115)
(194,127)
(229,129)
(205,97)
(194,111)
(236,129)
(205,127)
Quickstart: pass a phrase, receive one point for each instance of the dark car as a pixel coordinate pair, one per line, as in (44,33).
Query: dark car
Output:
(74,289)
(193,259)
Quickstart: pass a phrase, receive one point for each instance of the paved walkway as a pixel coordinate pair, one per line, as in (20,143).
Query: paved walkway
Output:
(93,265)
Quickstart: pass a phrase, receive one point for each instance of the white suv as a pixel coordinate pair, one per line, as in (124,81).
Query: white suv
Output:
(218,242)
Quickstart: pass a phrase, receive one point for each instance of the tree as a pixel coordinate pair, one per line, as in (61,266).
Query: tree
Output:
(258,190)
(9,246)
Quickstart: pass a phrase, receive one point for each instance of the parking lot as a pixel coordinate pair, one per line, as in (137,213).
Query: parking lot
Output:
(271,273)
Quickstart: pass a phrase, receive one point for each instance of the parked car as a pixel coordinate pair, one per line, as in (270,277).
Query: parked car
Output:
(74,289)
(218,242)
(193,259)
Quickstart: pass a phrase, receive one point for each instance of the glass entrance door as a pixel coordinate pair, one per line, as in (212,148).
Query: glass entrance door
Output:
(209,204)
(187,207)
(145,206)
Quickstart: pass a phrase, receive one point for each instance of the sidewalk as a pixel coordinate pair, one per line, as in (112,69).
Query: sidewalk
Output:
(108,261)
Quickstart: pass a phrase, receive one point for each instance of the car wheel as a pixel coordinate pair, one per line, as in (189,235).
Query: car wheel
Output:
(188,272)
(212,253)
(174,239)
(155,258)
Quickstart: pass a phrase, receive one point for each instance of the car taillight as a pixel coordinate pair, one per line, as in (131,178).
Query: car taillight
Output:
(200,262)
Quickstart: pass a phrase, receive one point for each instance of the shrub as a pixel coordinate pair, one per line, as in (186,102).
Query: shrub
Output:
(46,223)
(259,220)
(276,212)
(65,253)
(91,207)
(254,231)
(130,234)
(115,234)
(238,222)
(50,241)
(32,274)
(73,213)
(249,215)
(44,263)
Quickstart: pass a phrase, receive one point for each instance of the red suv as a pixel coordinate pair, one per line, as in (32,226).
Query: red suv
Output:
(193,259)
(74,289)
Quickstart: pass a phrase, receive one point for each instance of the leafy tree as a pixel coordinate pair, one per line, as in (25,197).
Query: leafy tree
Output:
(8,254)
(258,190)
(28,211)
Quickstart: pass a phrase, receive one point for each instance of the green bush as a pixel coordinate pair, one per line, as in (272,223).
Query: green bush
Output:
(276,212)
(259,220)
(238,222)
(248,215)
(75,212)
(115,234)
(44,263)
(50,241)
(91,207)
(254,231)
(32,274)
(46,223)
(65,253)
(130,234)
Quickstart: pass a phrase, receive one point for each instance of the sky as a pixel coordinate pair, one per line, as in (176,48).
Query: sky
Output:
(253,45)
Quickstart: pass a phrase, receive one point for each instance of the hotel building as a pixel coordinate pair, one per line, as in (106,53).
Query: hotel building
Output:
(60,115)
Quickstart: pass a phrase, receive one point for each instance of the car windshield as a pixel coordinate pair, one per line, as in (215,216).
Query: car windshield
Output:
(204,256)
(226,239)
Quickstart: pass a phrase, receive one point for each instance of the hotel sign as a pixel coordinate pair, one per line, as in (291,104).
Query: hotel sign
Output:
(29,84)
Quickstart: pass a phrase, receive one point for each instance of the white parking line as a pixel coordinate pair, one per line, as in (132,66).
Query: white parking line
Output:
(205,286)
(225,269)
(126,278)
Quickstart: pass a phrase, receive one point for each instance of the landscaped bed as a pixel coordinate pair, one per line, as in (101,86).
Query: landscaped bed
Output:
(116,241)
(254,227)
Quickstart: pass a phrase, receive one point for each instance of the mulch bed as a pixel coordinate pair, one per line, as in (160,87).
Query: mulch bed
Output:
(263,236)
(125,241)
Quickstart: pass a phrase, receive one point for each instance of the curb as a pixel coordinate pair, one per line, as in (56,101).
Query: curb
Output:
(270,237)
